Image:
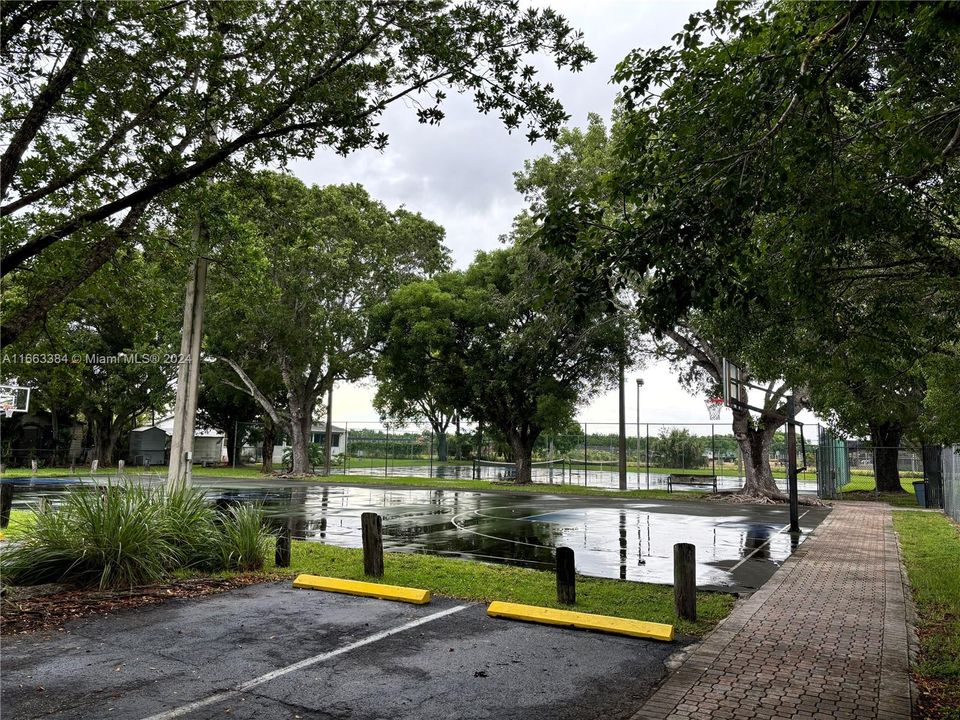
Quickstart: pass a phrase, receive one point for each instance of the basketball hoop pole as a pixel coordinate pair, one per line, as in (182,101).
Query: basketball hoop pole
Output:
(792,465)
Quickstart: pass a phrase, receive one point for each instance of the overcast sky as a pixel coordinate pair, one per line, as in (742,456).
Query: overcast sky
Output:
(460,174)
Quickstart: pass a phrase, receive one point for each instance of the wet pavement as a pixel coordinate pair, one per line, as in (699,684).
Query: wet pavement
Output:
(274,653)
(738,547)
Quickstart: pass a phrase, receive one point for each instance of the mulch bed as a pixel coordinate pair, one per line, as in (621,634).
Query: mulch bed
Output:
(48,607)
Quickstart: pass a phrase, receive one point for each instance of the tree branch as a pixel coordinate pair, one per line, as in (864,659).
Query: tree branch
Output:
(256,394)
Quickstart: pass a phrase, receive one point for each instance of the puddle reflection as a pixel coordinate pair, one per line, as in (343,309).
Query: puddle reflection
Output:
(632,541)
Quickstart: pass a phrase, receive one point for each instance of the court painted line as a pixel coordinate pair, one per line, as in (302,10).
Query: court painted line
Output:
(256,682)
(764,544)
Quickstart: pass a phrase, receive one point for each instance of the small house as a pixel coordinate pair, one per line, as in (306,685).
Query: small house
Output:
(148,445)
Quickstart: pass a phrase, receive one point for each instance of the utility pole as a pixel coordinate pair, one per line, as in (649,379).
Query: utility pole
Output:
(188,371)
(792,465)
(623,430)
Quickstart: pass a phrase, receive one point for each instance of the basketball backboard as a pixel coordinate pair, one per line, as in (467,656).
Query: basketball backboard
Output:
(14,399)
(734,387)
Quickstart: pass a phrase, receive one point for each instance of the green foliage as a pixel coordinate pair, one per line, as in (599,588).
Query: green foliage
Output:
(188,525)
(244,541)
(128,534)
(111,539)
(788,173)
(515,357)
(413,380)
(308,266)
(676,447)
(111,343)
(114,106)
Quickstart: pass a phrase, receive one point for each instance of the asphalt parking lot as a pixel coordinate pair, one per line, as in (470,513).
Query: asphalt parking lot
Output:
(271,652)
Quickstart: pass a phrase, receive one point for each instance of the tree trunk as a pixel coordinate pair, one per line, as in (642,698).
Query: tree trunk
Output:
(886,447)
(269,440)
(441,446)
(522,445)
(755,444)
(301,423)
(230,438)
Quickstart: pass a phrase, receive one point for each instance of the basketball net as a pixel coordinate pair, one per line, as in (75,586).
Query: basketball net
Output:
(714,406)
(8,410)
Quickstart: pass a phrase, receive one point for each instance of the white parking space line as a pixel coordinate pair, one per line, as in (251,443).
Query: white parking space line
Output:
(255,682)
(763,545)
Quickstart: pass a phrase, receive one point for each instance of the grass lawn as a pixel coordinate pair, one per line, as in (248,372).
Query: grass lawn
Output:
(931,553)
(863,487)
(482,582)
(20,522)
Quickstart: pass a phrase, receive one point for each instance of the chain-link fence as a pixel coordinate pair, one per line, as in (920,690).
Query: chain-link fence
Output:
(585,455)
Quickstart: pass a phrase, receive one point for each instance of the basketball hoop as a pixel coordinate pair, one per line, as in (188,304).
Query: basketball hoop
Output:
(714,406)
(8,410)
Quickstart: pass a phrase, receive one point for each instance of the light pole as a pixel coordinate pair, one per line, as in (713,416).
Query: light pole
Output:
(639,385)
(622,464)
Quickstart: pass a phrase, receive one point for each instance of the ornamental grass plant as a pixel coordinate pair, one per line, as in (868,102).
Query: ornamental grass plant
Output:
(126,534)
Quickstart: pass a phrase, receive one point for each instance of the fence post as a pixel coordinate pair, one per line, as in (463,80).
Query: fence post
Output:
(713,451)
(685,580)
(584,454)
(566,577)
(282,554)
(6,502)
(430,474)
(371,527)
(647,449)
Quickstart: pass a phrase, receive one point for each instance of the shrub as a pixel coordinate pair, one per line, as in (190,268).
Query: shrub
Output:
(244,541)
(189,526)
(126,535)
(105,537)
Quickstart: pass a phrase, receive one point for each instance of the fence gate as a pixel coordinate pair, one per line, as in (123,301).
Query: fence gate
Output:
(833,466)
(950,467)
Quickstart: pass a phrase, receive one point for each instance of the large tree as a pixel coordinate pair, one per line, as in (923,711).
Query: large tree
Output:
(523,357)
(415,378)
(302,271)
(789,171)
(107,355)
(108,106)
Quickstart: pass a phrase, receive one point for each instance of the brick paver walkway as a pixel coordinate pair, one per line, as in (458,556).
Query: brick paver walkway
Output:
(826,637)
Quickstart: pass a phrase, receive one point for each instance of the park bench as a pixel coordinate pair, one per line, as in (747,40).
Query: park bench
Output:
(692,481)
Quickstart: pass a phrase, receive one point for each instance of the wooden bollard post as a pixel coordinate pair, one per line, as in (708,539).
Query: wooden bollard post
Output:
(685,580)
(6,502)
(371,527)
(120,465)
(566,577)
(33,466)
(282,555)
(93,467)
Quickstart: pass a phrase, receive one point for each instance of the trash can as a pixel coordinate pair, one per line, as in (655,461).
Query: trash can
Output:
(920,488)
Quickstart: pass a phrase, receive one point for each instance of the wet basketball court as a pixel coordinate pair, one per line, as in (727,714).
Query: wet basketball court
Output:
(738,547)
